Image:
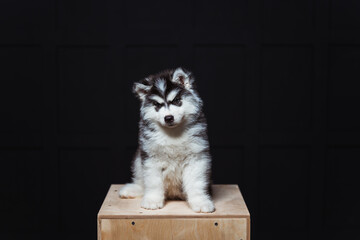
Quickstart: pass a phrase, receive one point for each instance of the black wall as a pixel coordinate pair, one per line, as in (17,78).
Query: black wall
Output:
(280,82)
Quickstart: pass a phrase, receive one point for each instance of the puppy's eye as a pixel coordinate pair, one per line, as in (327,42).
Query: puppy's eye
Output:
(156,104)
(176,101)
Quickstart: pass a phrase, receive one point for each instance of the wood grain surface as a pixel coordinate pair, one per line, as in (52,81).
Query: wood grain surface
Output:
(228,201)
(175,229)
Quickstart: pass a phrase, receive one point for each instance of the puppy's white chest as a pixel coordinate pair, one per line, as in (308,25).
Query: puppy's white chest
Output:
(166,148)
(172,153)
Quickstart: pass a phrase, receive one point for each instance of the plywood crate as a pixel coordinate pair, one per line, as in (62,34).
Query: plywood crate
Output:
(125,219)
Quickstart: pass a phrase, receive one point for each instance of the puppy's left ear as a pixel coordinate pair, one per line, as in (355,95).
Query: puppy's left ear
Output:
(182,77)
(141,89)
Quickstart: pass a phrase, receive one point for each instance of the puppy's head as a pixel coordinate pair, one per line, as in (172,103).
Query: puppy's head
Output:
(168,98)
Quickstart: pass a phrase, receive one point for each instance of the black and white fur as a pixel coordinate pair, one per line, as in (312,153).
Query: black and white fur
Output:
(172,160)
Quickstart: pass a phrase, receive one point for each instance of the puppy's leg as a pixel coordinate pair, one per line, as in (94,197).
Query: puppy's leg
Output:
(135,189)
(196,183)
(154,195)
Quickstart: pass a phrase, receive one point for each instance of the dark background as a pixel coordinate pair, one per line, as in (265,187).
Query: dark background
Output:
(280,82)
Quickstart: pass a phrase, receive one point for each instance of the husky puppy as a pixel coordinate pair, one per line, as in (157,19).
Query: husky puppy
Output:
(172,160)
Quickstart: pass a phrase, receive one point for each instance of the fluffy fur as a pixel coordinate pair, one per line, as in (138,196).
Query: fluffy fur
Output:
(172,160)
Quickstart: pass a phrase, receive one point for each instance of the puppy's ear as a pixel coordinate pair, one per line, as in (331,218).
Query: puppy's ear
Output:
(140,89)
(182,77)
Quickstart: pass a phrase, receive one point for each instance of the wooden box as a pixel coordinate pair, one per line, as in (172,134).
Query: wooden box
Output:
(125,219)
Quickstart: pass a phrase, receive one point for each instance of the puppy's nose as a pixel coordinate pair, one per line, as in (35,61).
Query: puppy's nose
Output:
(169,118)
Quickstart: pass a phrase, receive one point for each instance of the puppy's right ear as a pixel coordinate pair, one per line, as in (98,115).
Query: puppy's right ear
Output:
(141,88)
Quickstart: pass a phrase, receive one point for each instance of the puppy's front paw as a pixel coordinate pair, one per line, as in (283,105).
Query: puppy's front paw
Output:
(130,190)
(202,205)
(151,202)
